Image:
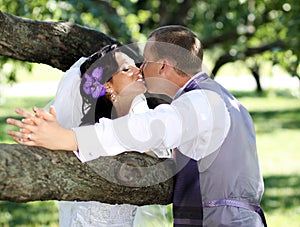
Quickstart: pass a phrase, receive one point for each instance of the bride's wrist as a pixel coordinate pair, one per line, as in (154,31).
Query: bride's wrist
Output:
(70,141)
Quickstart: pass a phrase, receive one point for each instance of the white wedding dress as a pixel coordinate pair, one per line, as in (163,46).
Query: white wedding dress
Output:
(68,103)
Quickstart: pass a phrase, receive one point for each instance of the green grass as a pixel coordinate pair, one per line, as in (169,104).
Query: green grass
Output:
(277,122)
(33,214)
(8,110)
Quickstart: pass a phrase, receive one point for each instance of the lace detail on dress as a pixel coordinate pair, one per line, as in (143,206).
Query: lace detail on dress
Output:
(95,214)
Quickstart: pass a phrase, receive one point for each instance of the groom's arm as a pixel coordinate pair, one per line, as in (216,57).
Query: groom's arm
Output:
(154,130)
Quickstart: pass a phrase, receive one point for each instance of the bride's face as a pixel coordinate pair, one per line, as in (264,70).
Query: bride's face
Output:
(128,77)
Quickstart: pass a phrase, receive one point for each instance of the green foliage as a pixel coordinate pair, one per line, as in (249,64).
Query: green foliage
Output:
(8,70)
(277,122)
(233,25)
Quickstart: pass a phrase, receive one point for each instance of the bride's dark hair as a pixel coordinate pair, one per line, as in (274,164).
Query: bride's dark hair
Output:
(92,108)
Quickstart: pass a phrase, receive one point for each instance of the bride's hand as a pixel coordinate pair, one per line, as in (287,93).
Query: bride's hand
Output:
(41,113)
(43,131)
(26,120)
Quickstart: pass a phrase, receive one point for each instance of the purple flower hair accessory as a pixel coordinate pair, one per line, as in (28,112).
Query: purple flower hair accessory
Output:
(92,85)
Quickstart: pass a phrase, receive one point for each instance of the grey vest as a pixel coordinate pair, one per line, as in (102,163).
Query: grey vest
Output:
(231,184)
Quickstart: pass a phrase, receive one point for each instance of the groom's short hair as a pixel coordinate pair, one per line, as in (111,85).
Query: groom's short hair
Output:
(181,45)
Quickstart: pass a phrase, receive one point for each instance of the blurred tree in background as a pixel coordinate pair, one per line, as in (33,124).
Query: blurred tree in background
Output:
(249,31)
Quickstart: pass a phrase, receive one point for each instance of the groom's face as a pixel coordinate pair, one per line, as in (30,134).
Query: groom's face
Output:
(158,74)
(151,67)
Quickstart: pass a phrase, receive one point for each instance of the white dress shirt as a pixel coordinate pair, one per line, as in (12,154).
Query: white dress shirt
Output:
(197,123)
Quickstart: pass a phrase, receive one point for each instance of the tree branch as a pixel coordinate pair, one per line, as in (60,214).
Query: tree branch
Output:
(58,44)
(175,17)
(32,173)
(226,58)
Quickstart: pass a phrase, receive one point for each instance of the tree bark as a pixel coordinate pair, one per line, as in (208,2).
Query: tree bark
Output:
(31,173)
(58,44)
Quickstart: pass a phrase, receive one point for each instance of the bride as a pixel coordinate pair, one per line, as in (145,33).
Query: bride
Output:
(106,84)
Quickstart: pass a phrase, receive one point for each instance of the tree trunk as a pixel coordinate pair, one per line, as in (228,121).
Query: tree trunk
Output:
(31,173)
(58,44)
(255,73)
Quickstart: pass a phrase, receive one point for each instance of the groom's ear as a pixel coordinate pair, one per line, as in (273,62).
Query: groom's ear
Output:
(164,66)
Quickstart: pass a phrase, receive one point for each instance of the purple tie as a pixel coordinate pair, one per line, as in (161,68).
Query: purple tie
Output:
(187,201)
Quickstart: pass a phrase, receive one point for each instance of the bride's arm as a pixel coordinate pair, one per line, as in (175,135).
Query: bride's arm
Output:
(60,138)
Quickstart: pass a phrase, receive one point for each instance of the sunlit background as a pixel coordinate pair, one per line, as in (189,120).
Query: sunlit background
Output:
(252,47)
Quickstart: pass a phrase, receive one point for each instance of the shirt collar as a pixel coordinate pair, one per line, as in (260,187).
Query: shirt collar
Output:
(199,75)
